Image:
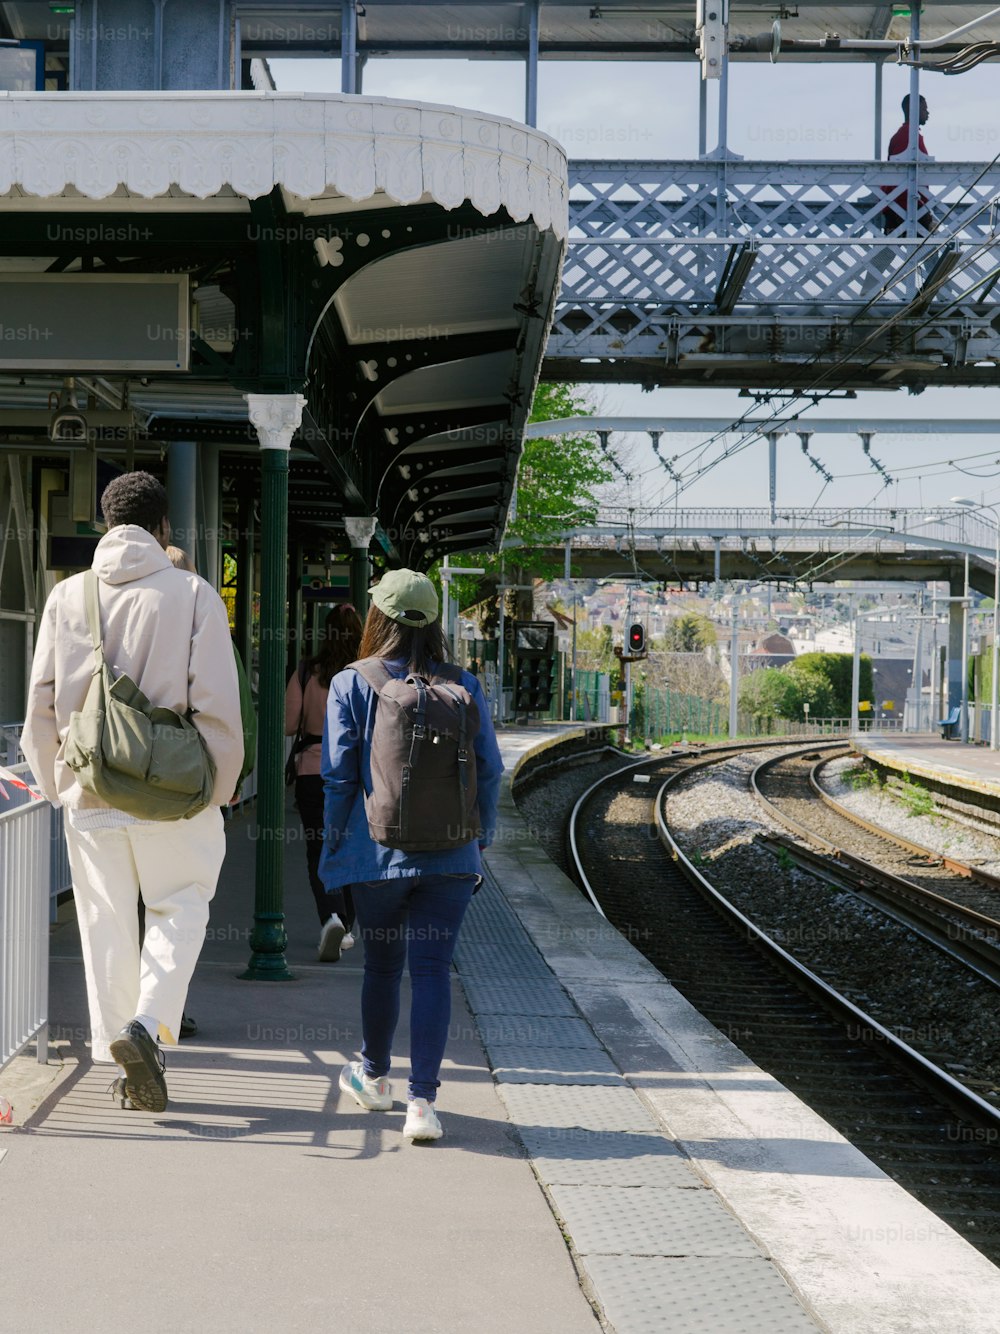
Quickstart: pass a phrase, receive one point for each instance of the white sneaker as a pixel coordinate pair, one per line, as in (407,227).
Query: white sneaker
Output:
(330,940)
(348,942)
(374,1095)
(421,1120)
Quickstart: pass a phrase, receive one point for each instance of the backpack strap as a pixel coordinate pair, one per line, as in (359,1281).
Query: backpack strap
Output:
(416,739)
(93,614)
(463,740)
(420,722)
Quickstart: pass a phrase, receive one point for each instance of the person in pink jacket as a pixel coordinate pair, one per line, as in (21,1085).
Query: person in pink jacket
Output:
(305,711)
(169,631)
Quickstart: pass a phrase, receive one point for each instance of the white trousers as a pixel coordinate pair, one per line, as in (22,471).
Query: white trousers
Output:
(175,866)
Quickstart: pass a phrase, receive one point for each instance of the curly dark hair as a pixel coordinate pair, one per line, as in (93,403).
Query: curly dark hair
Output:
(134,497)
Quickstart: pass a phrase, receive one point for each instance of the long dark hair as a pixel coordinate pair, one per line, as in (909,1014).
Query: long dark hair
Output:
(419,646)
(339,645)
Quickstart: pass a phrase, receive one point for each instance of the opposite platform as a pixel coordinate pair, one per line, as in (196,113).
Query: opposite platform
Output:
(976,768)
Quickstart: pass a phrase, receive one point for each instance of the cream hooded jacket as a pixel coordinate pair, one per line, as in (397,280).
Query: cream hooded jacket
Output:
(167,629)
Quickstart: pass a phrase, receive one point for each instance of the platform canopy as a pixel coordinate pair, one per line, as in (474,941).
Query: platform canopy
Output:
(395,263)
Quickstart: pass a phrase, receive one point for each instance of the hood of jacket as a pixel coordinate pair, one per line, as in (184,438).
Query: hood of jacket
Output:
(128,552)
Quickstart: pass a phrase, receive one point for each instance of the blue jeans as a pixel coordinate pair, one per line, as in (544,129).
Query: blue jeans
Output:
(415,918)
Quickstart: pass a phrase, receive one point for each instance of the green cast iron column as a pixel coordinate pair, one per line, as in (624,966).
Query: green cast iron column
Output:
(360,532)
(275,417)
(359,580)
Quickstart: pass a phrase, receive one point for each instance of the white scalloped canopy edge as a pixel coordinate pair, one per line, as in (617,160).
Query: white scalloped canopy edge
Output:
(254,141)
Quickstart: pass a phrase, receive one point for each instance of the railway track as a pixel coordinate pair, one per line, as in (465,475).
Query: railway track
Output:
(948,902)
(833,1054)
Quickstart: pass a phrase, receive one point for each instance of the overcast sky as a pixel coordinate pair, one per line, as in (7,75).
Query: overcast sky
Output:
(809,112)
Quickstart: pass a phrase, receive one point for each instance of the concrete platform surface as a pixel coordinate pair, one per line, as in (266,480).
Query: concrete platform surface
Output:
(263,1199)
(974,767)
(691,1192)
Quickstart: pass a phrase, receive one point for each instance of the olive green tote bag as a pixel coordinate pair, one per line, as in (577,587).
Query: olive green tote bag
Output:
(146,761)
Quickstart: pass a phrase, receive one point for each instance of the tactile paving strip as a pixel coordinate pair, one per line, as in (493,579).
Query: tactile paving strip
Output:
(606,1158)
(489,917)
(481,957)
(613,1220)
(589,1106)
(546,1030)
(535,1064)
(654,1295)
(659,1247)
(517,996)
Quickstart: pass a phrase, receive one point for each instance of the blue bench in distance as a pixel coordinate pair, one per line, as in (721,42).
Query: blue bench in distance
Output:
(948,725)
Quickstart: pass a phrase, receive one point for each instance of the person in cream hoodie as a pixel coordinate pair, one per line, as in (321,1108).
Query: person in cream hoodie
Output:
(167,629)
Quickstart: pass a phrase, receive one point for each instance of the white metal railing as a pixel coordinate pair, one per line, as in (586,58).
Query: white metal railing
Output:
(871,525)
(804,201)
(28,835)
(699,263)
(662,231)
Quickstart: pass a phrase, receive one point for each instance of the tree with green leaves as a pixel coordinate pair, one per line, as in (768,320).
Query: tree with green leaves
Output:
(690,633)
(557,479)
(769,693)
(596,649)
(814,688)
(825,681)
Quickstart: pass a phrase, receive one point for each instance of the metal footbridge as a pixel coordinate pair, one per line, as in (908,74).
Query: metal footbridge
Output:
(791,546)
(722,272)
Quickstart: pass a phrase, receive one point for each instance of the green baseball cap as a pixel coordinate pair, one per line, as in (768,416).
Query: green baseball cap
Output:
(407,597)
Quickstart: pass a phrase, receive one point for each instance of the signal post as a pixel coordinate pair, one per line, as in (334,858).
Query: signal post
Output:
(636,645)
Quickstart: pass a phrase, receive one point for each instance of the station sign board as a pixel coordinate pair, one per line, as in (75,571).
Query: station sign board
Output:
(63,322)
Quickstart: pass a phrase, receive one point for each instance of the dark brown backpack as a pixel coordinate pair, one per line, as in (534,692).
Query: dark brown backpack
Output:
(423,796)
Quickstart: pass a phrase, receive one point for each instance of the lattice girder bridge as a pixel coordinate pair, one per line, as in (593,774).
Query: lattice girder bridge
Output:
(770,274)
(791,547)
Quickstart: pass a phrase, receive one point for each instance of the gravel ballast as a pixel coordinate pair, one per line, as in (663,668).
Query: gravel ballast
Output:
(902,981)
(939,832)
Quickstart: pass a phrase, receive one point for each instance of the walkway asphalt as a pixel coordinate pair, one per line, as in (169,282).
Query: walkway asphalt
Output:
(263,1199)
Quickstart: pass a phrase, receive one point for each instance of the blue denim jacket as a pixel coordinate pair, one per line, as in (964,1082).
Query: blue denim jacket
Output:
(350,854)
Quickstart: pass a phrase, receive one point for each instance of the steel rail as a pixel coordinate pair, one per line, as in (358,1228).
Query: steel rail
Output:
(949,863)
(955,1094)
(574,851)
(934,917)
(606,748)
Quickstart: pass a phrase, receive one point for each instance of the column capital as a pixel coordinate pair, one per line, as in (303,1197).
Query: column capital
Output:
(275,418)
(360,530)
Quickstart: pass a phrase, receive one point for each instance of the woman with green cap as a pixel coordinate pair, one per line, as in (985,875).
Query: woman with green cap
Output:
(409,900)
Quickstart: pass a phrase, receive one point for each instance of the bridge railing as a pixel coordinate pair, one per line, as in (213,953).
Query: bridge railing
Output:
(867,528)
(652,233)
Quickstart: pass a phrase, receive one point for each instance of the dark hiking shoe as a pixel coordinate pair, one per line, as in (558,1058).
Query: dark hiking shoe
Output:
(118,1095)
(138,1055)
(188,1027)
